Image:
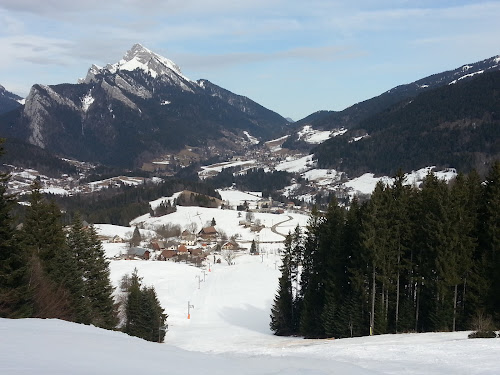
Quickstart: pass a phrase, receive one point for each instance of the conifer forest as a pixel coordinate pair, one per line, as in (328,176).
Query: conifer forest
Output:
(47,271)
(408,260)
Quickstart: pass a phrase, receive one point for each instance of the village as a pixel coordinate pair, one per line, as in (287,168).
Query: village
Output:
(242,222)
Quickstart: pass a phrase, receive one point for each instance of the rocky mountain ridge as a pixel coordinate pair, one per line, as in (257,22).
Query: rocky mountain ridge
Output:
(137,110)
(353,115)
(8,100)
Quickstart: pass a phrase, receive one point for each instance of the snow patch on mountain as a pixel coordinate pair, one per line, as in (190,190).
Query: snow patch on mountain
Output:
(466,76)
(275,145)
(355,139)
(311,136)
(213,169)
(87,101)
(251,138)
(294,165)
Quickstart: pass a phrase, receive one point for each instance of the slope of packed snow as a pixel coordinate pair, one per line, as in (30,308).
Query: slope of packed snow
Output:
(236,197)
(228,333)
(227,221)
(366,183)
(110,230)
(294,165)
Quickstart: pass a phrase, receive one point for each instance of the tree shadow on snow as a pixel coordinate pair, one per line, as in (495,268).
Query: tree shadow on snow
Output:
(248,317)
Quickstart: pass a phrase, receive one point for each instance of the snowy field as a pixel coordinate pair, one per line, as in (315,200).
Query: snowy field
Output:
(227,221)
(228,333)
(228,328)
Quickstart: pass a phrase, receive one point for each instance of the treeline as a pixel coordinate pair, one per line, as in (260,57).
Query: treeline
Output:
(255,179)
(120,206)
(48,273)
(34,157)
(407,260)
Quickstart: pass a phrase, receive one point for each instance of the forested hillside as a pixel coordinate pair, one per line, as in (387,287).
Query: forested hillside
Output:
(454,126)
(408,260)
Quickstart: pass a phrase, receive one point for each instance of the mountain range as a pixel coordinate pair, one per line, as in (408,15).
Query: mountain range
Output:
(456,125)
(352,115)
(142,109)
(136,110)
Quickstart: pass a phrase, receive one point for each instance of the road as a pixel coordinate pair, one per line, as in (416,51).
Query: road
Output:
(273,228)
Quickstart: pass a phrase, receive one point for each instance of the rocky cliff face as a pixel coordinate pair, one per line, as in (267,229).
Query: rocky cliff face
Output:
(136,109)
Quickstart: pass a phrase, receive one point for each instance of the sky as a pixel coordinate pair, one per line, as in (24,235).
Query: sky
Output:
(294,57)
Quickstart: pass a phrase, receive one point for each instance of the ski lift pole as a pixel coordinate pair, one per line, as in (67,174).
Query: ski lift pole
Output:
(199,280)
(189,307)
(204,274)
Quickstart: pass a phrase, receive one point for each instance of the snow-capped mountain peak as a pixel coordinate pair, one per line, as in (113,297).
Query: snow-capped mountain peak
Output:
(139,57)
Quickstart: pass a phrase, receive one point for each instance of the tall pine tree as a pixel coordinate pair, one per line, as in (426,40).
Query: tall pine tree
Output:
(15,299)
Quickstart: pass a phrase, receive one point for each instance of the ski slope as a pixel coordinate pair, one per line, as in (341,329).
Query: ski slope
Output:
(227,333)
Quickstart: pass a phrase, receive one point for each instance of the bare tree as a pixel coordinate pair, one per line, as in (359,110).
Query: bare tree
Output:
(228,256)
(192,227)
(249,216)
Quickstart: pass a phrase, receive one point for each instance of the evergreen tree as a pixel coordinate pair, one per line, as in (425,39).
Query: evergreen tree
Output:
(136,238)
(335,268)
(356,316)
(98,284)
(57,274)
(153,316)
(145,318)
(253,248)
(460,259)
(15,300)
(490,236)
(375,240)
(133,306)
(94,270)
(282,320)
(213,223)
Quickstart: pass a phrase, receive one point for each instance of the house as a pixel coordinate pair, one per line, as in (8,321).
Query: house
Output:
(138,252)
(196,252)
(188,238)
(171,245)
(117,239)
(208,233)
(158,245)
(182,249)
(230,246)
(185,233)
(167,254)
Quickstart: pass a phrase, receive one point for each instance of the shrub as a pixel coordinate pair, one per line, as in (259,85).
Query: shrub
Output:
(483,335)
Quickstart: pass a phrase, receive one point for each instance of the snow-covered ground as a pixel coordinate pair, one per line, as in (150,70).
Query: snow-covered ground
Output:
(228,333)
(311,136)
(214,169)
(366,183)
(293,165)
(227,221)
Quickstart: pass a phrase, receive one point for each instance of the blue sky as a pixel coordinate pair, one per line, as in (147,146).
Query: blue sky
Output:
(294,57)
